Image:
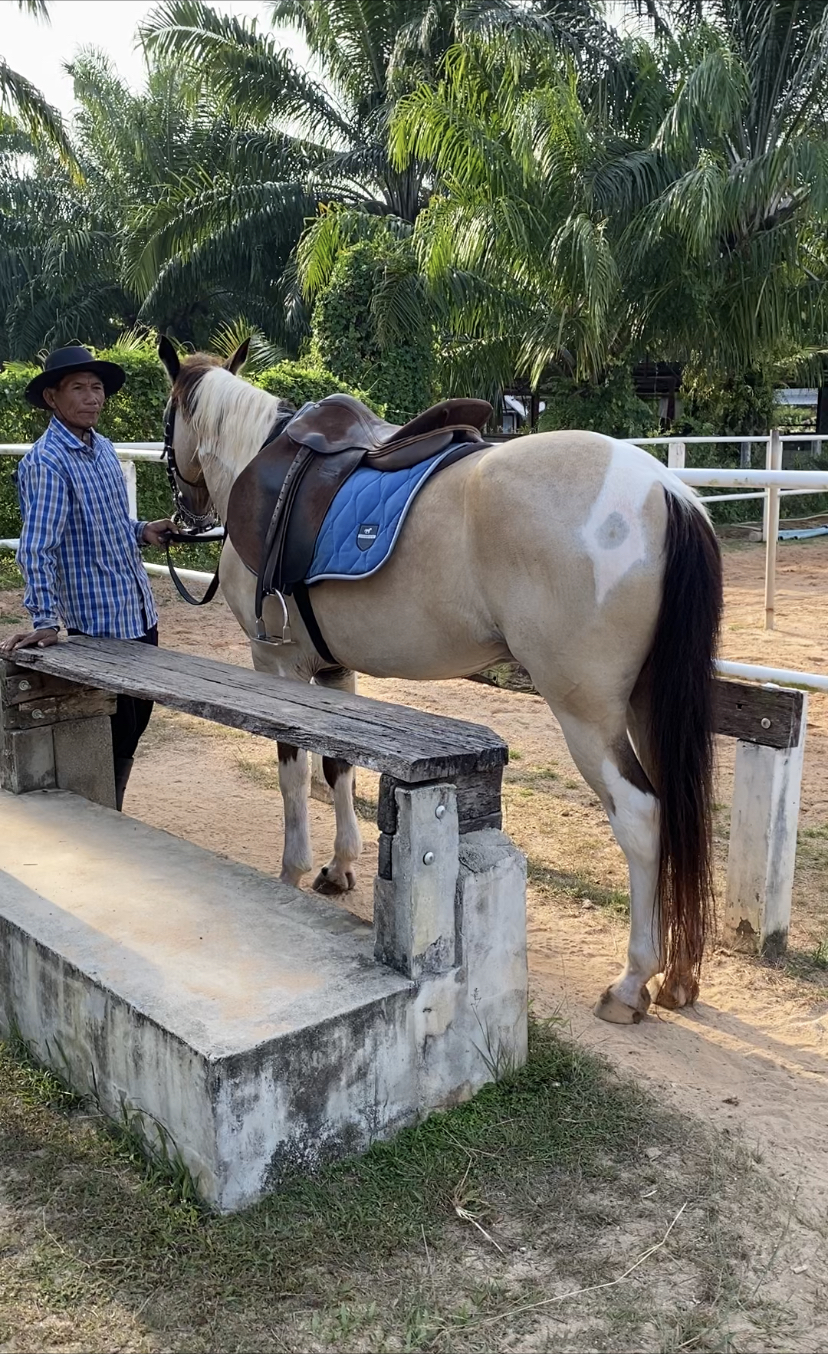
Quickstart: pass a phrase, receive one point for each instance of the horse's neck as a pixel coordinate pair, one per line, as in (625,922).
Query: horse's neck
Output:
(232,421)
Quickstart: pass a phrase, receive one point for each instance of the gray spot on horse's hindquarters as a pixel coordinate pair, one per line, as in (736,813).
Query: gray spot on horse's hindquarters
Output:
(613,532)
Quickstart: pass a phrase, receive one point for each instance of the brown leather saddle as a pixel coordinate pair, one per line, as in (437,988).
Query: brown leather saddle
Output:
(280,500)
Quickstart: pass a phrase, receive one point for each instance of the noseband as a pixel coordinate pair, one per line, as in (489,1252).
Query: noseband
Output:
(193,523)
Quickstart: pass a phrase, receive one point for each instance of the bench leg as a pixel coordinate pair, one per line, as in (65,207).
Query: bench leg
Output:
(762,852)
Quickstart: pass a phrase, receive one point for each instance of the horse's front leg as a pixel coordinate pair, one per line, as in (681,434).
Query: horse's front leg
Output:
(339,876)
(294,783)
(294,777)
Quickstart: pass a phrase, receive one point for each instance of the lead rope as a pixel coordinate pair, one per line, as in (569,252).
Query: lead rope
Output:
(184,538)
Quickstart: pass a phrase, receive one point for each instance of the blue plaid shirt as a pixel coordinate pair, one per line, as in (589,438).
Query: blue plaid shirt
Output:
(79,547)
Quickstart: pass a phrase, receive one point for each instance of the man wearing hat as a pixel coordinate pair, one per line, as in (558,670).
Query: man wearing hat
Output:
(79,547)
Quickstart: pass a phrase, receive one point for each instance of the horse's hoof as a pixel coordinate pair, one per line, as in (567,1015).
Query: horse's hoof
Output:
(674,993)
(617,1012)
(333,882)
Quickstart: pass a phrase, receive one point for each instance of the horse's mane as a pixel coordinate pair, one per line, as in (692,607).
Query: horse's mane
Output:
(231,417)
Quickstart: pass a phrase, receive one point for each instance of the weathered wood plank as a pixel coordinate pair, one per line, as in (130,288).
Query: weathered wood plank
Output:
(44,711)
(408,744)
(767,716)
(19,685)
(478,801)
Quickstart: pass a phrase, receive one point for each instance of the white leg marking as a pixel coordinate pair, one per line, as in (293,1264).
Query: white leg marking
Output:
(294,777)
(339,876)
(635,823)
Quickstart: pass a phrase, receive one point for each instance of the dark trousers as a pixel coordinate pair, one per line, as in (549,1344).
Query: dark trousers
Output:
(132,716)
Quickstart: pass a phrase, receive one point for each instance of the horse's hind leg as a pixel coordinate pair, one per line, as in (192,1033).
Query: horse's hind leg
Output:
(339,875)
(604,755)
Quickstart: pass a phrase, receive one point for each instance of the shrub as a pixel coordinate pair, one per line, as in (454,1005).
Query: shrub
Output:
(397,370)
(609,406)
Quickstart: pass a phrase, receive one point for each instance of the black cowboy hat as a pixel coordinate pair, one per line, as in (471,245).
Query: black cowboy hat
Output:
(74,358)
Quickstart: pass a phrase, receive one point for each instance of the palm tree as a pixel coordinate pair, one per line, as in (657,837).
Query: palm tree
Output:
(325,142)
(20,96)
(65,246)
(675,202)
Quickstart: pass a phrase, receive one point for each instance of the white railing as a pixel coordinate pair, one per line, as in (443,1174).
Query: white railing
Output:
(768,484)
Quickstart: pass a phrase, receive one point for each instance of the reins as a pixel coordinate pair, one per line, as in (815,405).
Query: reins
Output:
(195,524)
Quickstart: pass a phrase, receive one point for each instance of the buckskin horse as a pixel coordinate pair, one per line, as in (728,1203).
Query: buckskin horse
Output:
(579,556)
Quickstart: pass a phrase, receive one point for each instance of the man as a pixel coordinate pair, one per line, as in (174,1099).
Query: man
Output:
(79,547)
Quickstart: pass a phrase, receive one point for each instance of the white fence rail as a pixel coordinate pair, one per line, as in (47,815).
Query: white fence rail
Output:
(768,484)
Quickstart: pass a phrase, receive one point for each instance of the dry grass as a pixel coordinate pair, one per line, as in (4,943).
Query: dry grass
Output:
(533,1218)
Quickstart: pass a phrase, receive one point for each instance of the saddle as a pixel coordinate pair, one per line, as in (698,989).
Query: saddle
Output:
(278,503)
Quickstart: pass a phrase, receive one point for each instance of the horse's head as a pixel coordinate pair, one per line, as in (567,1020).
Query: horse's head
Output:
(182,450)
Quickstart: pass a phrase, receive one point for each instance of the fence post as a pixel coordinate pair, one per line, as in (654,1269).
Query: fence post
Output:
(675,455)
(763,824)
(130,475)
(772,529)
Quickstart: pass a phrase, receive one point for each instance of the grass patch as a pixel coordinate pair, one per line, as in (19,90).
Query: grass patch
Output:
(438,1239)
(366,808)
(265,775)
(566,884)
(536,777)
(10,575)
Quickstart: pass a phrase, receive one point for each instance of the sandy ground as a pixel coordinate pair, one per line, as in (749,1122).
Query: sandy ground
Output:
(752,1057)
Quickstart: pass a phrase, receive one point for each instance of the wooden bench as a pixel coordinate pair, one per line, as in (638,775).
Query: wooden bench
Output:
(769,724)
(255,1026)
(56,703)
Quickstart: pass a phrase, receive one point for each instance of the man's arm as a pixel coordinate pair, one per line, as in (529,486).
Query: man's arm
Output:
(45,504)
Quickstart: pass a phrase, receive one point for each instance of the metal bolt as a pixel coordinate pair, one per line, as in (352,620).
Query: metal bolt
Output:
(428,858)
(440,811)
(24,685)
(766,723)
(37,714)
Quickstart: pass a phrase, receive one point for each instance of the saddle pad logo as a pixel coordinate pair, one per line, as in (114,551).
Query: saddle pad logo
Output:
(367,535)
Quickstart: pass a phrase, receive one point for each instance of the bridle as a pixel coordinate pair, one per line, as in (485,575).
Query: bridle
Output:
(191,521)
(194,524)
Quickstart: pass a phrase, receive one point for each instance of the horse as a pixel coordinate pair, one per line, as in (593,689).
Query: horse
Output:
(577,555)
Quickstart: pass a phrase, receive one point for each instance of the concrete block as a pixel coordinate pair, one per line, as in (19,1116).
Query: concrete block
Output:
(246,1020)
(414,912)
(28,761)
(83,759)
(480,1010)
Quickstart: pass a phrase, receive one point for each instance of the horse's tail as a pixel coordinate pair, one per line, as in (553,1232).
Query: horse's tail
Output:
(679,675)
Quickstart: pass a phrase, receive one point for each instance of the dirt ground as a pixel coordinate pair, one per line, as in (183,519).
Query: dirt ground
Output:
(752,1058)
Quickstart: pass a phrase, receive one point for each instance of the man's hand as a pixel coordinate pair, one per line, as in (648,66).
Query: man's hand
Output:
(29,639)
(157,533)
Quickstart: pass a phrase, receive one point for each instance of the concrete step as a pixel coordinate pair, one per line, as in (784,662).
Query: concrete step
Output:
(241,1022)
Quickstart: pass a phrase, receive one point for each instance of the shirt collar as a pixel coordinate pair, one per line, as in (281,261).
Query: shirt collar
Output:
(70,442)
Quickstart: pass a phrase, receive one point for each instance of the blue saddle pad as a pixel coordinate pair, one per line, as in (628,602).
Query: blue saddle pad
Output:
(363,523)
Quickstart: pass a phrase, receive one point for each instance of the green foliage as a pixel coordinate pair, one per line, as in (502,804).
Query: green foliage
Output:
(734,405)
(609,406)
(300,382)
(352,340)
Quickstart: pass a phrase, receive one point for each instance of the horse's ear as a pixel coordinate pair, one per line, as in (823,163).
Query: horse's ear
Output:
(169,357)
(237,361)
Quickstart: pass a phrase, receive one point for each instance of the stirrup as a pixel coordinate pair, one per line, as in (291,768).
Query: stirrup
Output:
(262,637)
